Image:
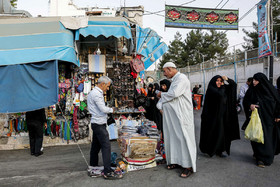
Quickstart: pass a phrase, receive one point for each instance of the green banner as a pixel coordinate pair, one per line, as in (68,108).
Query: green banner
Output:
(201,18)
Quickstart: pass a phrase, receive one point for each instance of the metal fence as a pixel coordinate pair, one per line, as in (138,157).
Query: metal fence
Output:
(237,66)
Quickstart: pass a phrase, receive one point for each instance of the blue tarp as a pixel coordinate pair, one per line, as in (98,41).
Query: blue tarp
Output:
(35,40)
(27,87)
(154,46)
(119,28)
(157,53)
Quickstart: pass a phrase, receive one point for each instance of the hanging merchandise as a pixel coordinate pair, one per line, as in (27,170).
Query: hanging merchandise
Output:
(137,64)
(67,130)
(123,84)
(97,63)
(83,105)
(87,87)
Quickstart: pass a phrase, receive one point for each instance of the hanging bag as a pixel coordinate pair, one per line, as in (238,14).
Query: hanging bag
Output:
(254,131)
(137,64)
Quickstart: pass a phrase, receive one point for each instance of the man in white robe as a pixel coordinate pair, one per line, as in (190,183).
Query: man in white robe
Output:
(178,122)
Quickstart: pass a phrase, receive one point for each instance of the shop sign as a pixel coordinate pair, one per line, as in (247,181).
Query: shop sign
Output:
(201,18)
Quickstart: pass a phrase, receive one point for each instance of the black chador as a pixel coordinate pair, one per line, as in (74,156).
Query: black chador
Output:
(266,97)
(219,120)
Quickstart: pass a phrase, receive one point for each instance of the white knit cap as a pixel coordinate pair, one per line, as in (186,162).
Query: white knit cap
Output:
(169,65)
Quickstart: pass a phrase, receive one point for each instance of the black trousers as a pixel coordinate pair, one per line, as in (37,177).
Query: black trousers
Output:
(35,136)
(100,140)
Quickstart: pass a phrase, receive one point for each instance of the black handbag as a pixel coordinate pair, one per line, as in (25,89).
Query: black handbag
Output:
(110,120)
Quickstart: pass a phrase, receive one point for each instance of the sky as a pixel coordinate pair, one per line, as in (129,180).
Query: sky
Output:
(155,22)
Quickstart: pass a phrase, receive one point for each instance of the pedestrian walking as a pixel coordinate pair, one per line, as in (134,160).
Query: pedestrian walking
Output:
(35,123)
(263,95)
(243,90)
(219,120)
(178,122)
(100,136)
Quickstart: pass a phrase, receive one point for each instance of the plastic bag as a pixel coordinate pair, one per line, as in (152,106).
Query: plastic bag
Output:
(254,131)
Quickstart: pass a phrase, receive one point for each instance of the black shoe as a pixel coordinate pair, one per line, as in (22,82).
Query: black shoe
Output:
(38,154)
(186,173)
(32,154)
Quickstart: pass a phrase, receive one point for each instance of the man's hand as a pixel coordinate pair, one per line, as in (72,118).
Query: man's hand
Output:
(277,120)
(46,125)
(252,107)
(161,111)
(159,95)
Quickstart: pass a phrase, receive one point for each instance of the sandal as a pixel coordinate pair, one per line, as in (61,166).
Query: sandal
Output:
(112,176)
(186,173)
(260,164)
(172,166)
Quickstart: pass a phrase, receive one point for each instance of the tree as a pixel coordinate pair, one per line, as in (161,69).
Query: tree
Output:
(197,43)
(174,52)
(251,38)
(14,3)
(210,45)
(276,18)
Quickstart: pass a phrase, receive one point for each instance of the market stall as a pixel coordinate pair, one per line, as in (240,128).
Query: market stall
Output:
(95,46)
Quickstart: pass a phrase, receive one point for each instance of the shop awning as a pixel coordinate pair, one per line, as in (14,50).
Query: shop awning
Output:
(27,87)
(106,26)
(148,44)
(159,50)
(30,40)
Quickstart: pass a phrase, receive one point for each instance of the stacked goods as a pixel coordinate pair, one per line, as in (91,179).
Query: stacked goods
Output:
(138,150)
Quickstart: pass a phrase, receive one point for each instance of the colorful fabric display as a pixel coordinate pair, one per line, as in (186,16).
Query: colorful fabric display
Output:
(19,126)
(67,131)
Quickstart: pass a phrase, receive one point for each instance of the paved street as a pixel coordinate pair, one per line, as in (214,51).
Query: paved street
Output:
(64,166)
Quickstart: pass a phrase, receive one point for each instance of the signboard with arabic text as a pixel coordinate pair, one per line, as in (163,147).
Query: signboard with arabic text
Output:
(264,44)
(201,18)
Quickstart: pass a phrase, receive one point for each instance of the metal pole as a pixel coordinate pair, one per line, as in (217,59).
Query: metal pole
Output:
(270,35)
(275,46)
(235,78)
(203,67)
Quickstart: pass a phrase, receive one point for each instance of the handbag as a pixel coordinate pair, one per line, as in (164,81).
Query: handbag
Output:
(254,131)
(110,120)
(80,88)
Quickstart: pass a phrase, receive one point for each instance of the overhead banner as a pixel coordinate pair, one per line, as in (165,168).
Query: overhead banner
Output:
(264,44)
(201,18)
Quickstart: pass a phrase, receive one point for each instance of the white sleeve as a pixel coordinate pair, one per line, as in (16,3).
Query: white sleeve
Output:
(159,104)
(99,100)
(177,88)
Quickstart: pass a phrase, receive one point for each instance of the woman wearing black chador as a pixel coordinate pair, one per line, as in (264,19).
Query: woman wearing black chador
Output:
(262,95)
(219,120)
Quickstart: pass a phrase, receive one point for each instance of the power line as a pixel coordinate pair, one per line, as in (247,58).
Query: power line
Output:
(150,13)
(219,4)
(224,4)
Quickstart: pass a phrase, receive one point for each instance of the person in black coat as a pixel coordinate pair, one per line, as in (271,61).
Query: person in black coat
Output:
(262,95)
(219,120)
(148,104)
(35,123)
(164,85)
